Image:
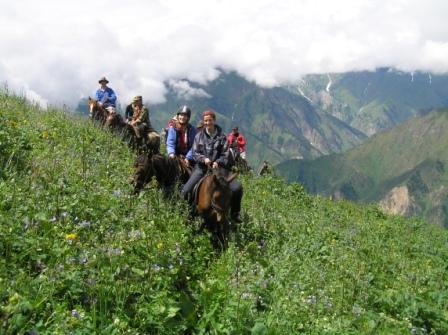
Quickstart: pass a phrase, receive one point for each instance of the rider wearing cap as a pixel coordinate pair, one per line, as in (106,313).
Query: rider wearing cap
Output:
(139,120)
(105,96)
(181,136)
(211,150)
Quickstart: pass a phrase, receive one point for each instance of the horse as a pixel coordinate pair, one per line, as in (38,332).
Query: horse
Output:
(96,112)
(167,171)
(212,197)
(239,163)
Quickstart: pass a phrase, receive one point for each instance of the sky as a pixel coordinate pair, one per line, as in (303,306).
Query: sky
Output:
(54,52)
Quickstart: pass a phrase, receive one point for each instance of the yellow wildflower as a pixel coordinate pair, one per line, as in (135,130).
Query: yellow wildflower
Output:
(44,134)
(70,237)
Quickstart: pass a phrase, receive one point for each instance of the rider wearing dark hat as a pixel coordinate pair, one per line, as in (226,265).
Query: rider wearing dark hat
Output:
(105,96)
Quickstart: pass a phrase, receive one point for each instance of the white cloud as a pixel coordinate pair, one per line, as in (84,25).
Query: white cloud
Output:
(183,89)
(57,50)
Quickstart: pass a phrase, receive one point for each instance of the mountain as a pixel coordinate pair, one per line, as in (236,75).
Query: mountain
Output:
(319,115)
(375,101)
(80,254)
(278,123)
(404,168)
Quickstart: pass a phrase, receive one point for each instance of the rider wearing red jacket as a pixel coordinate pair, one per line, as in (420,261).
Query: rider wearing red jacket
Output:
(237,140)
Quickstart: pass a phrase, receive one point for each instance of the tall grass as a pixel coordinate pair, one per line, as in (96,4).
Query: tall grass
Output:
(81,255)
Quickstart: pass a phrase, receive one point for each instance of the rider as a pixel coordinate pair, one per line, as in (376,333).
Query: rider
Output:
(139,120)
(181,136)
(106,96)
(210,150)
(237,142)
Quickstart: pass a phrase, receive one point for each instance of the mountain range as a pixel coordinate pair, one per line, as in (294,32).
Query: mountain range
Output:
(318,115)
(404,169)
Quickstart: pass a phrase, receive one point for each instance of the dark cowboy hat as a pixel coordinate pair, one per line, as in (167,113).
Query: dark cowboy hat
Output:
(103,79)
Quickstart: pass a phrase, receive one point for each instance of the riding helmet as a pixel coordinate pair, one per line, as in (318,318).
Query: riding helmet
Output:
(184,110)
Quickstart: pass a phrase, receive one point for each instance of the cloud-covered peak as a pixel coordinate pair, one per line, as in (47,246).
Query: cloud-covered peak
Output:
(57,50)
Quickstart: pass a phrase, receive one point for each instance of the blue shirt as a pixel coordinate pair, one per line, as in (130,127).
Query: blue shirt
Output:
(171,141)
(107,96)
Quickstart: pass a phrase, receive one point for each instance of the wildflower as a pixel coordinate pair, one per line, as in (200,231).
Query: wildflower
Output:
(84,224)
(26,223)
(70,237)
(156,267)
(357,310)
(64,214)
(53,219)
(91,281)
(76,314)
(135,234)
(245,295)
(117,193)
(44,134)
(160,245)
(311,299)
(114,251)
(178,250)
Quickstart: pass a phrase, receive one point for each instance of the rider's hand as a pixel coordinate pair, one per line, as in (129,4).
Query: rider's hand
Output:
(207,161)
(215,165)
(187,162)
(171,156)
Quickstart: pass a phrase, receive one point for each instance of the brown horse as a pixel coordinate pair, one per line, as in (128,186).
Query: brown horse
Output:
(212,199)
(96,112)
(239,163)
(167,171)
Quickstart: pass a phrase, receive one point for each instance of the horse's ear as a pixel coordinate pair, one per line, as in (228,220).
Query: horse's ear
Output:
(214,177)
(232,177)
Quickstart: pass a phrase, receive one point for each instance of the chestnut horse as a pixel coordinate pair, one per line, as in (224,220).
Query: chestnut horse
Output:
(167,171)
(96,112)
(212,199)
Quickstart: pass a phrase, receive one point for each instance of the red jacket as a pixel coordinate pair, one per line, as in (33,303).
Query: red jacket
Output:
(240,141)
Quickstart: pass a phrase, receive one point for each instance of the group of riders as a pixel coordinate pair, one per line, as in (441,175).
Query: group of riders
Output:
(202,148)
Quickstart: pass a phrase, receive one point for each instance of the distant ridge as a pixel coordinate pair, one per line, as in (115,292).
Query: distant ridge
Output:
(407,164)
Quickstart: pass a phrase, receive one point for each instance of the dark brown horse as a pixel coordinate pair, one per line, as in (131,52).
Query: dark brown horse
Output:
(167,171)
(97,112)
(239,163)
(212,199)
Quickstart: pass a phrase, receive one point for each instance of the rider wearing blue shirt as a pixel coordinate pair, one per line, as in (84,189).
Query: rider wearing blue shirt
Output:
(181,136)
(105,95)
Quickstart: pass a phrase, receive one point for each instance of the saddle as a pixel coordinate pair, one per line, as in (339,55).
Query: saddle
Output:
(196,189)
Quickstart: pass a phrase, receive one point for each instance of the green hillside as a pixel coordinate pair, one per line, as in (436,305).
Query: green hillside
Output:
(413,154)
(80,255)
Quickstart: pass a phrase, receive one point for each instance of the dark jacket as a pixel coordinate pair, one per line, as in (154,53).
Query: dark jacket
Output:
(214,148)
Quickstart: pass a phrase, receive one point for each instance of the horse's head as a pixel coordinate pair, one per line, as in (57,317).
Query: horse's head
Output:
(114,120)
(144,171)
(93,105)
(221,195)
(96,111)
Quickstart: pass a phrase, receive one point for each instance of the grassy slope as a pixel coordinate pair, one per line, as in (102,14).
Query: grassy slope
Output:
(79,254)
